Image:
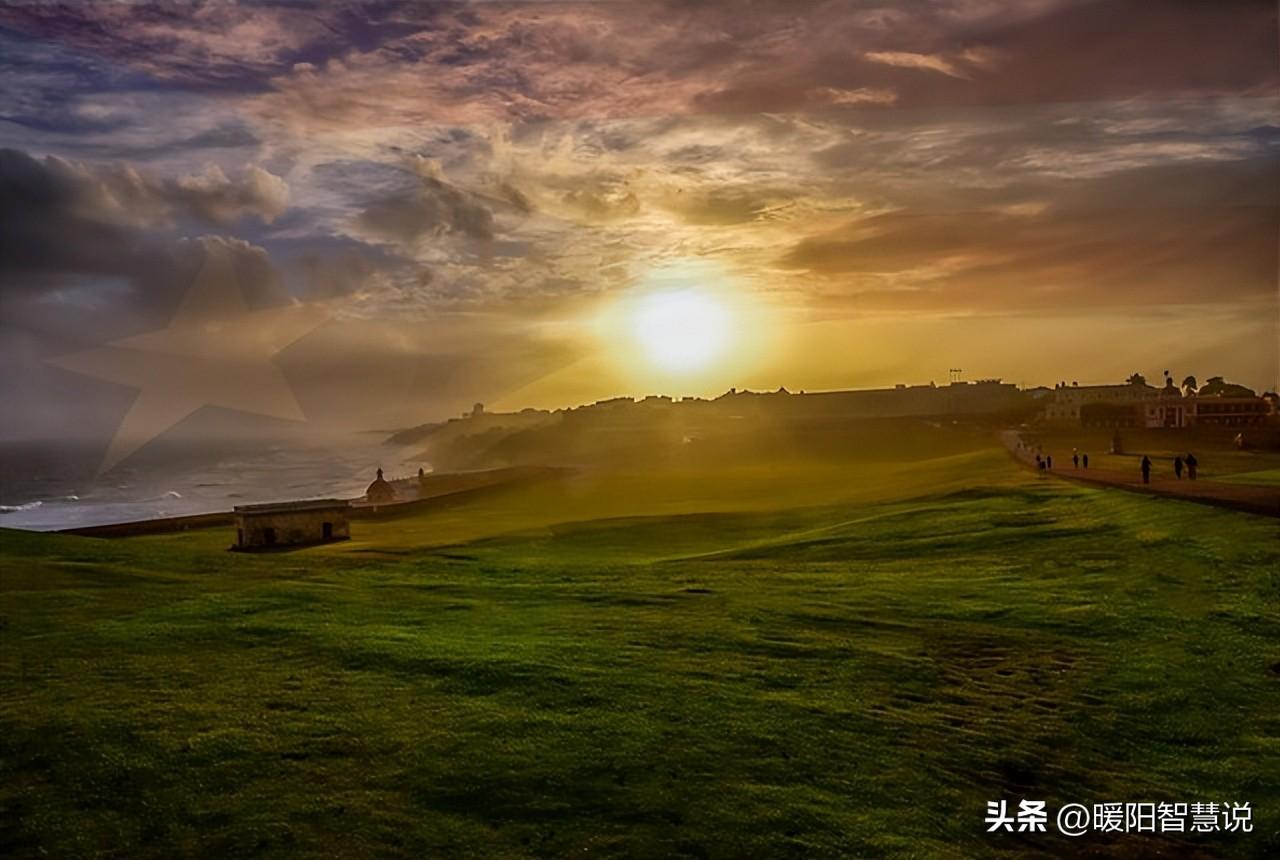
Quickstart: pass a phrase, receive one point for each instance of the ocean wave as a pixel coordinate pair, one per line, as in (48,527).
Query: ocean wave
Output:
(13,509)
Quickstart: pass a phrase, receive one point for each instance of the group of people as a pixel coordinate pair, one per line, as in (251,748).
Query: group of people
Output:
(1045,463)
(1180,463)
(1188,464)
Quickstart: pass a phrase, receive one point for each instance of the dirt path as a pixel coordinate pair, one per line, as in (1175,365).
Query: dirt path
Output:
(1255,500)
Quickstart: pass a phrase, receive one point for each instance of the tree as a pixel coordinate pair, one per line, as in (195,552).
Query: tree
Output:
(1137,379)
(1190,383)
(1217,386)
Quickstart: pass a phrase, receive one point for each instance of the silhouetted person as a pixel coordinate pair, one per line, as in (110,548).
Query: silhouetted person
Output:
(1177,467)
(1085,461)
(1146,469)
(1048,461)
(1039,462)
(1192,464)
(1075,461)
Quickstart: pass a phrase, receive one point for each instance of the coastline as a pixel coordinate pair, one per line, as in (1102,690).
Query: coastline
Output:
(432,490)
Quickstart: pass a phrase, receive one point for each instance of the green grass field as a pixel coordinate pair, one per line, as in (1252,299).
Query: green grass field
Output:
(790,660)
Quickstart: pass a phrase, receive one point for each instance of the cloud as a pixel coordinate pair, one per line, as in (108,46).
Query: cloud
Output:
(909,60)
(857,96)
(217,199)
(720,207)
(941,156)
(76,235)
(1138,239)
(431,210)
(601,199)
(205,45)
(311,66)
(116,194)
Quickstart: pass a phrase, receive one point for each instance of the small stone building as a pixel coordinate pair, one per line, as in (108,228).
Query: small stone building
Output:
(281,524)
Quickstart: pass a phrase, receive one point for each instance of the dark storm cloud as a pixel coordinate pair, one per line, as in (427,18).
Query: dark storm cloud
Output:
(114,194)
(48,219)
(79,238)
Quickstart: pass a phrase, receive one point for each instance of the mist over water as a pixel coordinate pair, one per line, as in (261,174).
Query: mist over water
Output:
(47,485)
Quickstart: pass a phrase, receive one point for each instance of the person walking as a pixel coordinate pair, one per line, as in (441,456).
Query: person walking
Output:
(1146,469)
(1085,461)
(1192,465)
(1075,461)
(1177,467)
(1048,461)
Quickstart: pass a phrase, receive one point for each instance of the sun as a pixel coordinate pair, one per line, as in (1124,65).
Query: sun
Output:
(681,331)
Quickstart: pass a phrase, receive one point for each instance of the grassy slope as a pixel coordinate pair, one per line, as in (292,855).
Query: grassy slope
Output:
(852,663)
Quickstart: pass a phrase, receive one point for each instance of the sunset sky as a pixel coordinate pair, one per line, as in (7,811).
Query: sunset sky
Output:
(480,197)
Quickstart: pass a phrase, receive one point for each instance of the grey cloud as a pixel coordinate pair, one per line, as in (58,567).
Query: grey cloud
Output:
(116,194)
(435,208)
(217,199)
(75,233)
(342,274)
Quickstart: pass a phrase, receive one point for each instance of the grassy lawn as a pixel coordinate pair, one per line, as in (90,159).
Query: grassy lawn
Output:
(1260,478)
(800,660)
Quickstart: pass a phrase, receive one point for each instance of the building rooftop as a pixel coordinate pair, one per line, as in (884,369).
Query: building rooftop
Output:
(292,507)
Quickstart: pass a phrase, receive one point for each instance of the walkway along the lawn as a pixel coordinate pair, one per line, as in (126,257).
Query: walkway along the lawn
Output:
(1240,497)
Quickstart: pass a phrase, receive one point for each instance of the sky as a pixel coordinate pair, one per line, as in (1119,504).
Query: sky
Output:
(474,201)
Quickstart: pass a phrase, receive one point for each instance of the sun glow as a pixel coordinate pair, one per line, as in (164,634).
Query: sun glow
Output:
(681,331)
(687,328)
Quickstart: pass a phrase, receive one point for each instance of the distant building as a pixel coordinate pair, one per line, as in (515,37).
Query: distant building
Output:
(1224,411)
(281,524)
(1110,415)
(986,396)
(1066,402)
(1173,411)
(380,492)
(1169,409)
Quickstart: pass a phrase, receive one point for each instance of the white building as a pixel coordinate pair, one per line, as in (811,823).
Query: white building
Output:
(1064,404)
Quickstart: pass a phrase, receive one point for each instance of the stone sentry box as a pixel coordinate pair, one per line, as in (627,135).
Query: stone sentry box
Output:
(286,524)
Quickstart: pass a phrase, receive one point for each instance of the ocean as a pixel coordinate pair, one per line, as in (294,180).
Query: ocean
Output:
(47,486)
